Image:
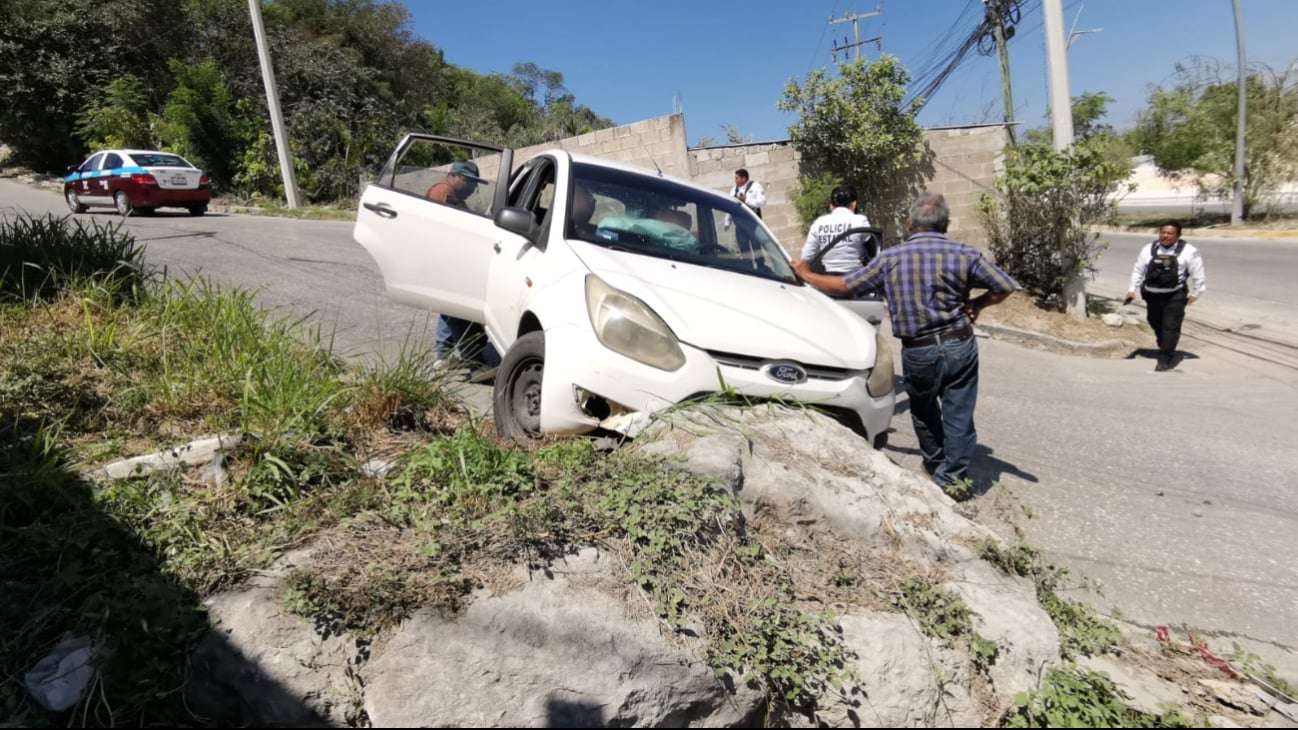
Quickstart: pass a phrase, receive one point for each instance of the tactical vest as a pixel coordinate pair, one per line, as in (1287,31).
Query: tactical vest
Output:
(1163,275)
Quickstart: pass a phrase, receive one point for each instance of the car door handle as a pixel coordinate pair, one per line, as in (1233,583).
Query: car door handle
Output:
(382,209)
(496,247)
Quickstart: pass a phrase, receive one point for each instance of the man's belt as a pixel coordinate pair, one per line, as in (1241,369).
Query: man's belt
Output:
(959,333)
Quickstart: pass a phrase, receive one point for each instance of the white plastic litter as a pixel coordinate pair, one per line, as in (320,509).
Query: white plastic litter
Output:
(58,681)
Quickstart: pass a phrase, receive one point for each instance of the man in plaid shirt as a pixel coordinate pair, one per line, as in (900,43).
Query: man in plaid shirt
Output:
(927,281)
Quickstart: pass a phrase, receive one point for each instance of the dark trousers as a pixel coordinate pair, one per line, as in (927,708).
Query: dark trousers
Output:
(942,383)
(1165,313)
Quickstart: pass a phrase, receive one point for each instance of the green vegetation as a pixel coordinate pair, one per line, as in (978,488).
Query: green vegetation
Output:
(855,128)
(943,616)
(1190,128)
(184,76)
(101,359)
(1071,696)
(1081,631)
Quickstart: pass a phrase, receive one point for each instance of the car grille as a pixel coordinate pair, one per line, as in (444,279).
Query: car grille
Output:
(817,372)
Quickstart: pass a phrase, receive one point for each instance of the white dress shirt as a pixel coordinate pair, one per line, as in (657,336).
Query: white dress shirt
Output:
(846,256)
(1189,268)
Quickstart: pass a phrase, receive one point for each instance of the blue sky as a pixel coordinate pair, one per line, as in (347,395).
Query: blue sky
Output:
(727,63)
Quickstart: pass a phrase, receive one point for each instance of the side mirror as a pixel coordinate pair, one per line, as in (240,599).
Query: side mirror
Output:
(73,168)
(520,221)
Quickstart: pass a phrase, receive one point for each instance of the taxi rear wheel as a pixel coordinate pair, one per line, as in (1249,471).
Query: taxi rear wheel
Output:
(198,209)
(122,203)
(74,202)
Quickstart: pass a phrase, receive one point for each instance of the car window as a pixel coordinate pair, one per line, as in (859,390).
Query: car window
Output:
(535,192)
(112,161)
(648,215)
(159,159)
(91,164)
(447,173)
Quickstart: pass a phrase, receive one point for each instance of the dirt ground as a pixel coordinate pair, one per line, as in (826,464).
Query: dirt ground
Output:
(1021,312)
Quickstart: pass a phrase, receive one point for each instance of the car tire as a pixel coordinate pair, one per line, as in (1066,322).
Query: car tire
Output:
(516,400)
(74,202)
(198,209)
(122,203)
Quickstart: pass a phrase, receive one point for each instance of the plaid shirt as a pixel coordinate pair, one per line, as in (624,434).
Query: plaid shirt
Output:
(927,281)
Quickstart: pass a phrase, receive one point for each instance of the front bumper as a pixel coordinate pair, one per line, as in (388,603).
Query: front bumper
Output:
(588,371)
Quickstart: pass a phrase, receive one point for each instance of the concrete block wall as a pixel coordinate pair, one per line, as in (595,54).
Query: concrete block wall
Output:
(660,140)
(966,161)
(773,164)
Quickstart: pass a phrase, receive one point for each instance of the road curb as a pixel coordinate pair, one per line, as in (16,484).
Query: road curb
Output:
(1037,339)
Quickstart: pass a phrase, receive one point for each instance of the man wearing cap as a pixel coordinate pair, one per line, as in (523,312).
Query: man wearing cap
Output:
(452,332)
(458,185)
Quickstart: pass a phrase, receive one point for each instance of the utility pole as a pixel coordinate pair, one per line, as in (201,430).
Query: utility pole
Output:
(996,12)
(856,32)
(1237,204)
(272,103)
(1061,103)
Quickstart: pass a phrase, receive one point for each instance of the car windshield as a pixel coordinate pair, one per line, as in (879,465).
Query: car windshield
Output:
(643,214)
(159,159)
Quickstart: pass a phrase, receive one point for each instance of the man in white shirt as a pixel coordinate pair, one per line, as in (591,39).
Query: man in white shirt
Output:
(847,255)
(1169,276)
(748,192)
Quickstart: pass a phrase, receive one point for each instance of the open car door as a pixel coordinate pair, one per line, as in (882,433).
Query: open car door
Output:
(427,222)
(871,307)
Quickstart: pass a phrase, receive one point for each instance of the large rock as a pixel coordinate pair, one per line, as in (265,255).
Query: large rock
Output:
(263,666)
(564,651)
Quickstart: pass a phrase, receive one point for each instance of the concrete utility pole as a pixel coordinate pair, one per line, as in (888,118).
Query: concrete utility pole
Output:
(996,12)
(1237,204)
(1061,103)
(856,33)
(272,103)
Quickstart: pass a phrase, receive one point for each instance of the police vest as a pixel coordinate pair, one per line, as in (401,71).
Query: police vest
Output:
(1163,275)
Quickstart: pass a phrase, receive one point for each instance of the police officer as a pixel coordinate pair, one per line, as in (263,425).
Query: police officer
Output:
(1169,276)
(848,255)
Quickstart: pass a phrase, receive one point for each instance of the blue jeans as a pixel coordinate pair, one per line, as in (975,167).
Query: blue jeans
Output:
(942,383)
(469,338)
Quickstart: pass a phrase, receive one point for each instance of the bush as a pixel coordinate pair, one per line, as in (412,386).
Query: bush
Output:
(42,257)
(1038,221)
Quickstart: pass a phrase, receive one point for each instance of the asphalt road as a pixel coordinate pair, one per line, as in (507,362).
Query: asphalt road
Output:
(1173,492)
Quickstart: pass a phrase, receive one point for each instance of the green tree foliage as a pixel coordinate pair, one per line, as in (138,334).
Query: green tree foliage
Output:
(1190,128)
(1089,111)
(56,56)
(1038,222)
(122,117)
(856,128)
(198,120)
(185,74)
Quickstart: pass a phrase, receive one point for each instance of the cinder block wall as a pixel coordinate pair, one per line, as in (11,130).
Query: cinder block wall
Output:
(773,164)
(966,161)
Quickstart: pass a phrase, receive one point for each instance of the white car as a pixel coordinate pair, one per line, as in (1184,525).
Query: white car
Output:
(614,292)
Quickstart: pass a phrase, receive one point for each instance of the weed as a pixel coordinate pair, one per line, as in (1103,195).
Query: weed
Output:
(1251,665)
(1081,630)
(1075,697)
(40,258)
(943,616)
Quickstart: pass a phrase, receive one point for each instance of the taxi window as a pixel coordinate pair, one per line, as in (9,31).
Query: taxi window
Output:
(112,161)
(91,164)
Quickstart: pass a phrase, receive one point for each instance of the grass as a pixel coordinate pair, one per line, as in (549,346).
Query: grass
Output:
(343,211)
(101,359)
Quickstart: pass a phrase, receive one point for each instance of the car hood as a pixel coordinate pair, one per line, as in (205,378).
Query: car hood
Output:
(728,312)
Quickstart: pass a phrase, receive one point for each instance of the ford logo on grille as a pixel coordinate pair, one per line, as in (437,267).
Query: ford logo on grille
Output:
(785,372)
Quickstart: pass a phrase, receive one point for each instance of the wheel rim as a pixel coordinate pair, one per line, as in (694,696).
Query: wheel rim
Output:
(123,205)
(73,201)
(525,396)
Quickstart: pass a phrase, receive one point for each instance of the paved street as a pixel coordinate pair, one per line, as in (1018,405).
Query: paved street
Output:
(1173,492)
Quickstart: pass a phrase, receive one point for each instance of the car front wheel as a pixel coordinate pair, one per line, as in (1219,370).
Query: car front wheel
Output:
(516,401)
(198,209)
(121,203)
(74,202)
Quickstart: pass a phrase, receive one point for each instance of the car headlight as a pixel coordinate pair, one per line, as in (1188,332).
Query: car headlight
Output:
(627,326)
(881,377)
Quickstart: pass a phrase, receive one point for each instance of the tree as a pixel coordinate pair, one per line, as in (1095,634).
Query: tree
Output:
(198,121)
(1038,222)
(1089,109)
(1190,129)
(123,117)
(855,128)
